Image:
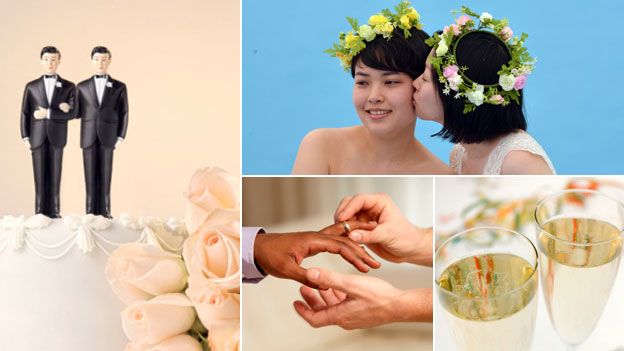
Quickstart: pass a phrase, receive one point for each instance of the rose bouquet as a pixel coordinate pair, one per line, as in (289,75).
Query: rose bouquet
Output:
(187,299)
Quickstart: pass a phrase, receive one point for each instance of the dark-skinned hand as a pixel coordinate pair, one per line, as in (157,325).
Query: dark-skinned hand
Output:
(280,255)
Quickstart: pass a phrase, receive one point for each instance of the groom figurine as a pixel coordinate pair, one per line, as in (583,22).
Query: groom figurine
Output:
(102,104)
(46,108)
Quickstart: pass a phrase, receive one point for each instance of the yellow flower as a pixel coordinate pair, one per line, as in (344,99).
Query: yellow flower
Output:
(413,14)
(377,20)
(387,28)
(405,22)
(351,40)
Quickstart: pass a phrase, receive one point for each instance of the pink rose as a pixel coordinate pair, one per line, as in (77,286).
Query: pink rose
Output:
(462,20)
(225,338)
(506,33)
(138,272)
(214,307)
(212,256)
(497,99)
(165,316)
(450,71)
(519,82)
(176,343)
(453,28)
(212,196)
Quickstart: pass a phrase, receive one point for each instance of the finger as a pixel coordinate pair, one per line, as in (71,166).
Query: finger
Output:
(361,252)
(370,203)
(367,237)
(329,297)
(336,246)
(340,295)
(326,279)
(295,272)
(312,298)
(339,228)
(341,206)
(315,318)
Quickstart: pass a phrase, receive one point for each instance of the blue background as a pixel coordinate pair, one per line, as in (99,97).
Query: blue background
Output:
(573,99)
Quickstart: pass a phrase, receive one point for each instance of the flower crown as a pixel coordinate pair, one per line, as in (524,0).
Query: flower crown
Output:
(383,23)
(512,76)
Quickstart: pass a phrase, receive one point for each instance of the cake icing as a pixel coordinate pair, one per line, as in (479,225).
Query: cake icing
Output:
(54,294)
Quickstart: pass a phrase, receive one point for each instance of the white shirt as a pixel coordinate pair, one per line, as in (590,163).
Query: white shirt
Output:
(49,84)
(100,85)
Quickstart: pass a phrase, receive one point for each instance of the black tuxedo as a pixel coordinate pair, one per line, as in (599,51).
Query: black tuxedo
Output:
(101,125)
(47,138)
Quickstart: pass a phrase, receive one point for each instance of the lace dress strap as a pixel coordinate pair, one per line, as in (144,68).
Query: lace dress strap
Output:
(520,140)
(457,154)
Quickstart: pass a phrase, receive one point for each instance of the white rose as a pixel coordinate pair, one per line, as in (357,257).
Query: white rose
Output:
(225,338)
(442,48)
(212,257)
(176,343)
(214,307)
(138,272)
(366,32)
(486,16)
(454,81)
(165,316)
(212,197)
(476,96)
(507,81)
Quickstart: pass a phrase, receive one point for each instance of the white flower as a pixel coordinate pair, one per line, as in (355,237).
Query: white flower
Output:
(59,85)
(109,84)
(485,16)
(366,32)
(442,48)
(506,81)
(476,96)
(455,81)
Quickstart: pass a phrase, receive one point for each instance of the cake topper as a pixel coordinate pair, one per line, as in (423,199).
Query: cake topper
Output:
(102,106)
(46,107)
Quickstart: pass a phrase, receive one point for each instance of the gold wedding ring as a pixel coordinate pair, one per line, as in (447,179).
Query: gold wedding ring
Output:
(346,227)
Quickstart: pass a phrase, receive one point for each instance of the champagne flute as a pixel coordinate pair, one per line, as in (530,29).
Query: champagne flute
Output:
(486,282)
(578,234)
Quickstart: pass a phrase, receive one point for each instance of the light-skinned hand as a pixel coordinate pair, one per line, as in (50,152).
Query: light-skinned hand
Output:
(358,301)
(394,238)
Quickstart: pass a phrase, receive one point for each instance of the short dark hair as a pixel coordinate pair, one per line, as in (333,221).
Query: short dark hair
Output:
(484,54)
(49,50)
(397,54)
(101,50)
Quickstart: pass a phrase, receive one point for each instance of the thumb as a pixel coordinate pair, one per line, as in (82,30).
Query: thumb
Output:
(367,236)
(327,279)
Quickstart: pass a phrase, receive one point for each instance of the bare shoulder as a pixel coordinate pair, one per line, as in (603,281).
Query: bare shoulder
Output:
(318,147)
(311,157)
(524,162)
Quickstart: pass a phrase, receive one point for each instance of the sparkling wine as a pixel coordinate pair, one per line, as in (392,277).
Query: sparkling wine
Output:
(490,302)
(579,260)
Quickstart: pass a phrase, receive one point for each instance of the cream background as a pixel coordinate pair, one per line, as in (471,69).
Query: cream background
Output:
(181,63)
(298,204)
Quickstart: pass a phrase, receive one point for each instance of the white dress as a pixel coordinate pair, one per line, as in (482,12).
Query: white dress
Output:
(520,140)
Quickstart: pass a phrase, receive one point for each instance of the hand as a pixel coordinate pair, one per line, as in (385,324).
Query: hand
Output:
(64,107)
(27,142)
(41,113)
(357,301)
(280,255)
(395,238)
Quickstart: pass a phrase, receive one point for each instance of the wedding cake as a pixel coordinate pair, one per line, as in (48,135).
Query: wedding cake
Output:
(54,294)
